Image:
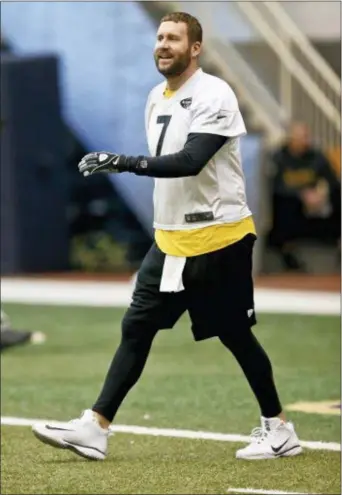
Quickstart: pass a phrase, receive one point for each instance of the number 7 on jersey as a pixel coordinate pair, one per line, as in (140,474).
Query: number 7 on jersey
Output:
(165,120)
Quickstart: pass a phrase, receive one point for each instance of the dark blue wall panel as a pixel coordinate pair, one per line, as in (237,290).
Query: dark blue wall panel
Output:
(34,228)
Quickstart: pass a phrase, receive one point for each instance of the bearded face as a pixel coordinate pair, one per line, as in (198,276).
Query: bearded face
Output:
(173,51)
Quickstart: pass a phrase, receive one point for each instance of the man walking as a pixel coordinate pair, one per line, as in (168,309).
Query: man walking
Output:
(201,260)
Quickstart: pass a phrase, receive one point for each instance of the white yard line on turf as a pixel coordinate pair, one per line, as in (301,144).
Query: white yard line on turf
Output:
(262,492)
(172,433)
(111,294)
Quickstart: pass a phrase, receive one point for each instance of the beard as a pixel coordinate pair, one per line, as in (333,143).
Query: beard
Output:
(179,64)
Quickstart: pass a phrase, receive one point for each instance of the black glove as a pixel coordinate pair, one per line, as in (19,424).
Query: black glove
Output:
(100,162)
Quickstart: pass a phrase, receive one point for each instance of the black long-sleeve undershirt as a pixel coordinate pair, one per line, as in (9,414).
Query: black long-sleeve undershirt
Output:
(198,150)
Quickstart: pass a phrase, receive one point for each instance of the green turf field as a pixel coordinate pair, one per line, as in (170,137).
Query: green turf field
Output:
(186,386)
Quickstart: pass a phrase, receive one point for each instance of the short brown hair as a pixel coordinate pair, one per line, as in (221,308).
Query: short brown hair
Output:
(195,32)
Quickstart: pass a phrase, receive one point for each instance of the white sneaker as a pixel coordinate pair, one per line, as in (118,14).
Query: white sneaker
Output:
(84,436)
(274,439)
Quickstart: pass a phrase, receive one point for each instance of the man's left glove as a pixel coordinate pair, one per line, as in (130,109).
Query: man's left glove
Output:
(101,162)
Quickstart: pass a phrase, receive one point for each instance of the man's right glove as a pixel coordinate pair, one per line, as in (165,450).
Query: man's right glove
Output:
(110,163)
(99,162)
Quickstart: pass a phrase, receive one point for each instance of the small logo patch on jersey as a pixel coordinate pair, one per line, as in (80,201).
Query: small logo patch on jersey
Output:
(186,102)
(205,216)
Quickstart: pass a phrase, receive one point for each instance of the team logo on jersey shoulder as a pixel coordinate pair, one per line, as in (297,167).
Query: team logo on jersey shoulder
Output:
(186,102)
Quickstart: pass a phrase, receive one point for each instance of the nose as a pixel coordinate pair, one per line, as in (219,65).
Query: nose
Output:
(163,44)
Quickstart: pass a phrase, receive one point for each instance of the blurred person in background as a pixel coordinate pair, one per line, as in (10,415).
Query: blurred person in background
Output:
(204,238)
(12,338)
(306,199)
(3,45)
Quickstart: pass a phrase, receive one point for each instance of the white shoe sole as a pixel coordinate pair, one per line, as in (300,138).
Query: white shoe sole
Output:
(86,452)
(296,450)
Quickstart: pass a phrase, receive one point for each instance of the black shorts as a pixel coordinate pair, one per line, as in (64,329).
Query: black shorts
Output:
(218,292)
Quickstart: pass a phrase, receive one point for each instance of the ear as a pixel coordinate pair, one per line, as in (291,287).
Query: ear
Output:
(196,49)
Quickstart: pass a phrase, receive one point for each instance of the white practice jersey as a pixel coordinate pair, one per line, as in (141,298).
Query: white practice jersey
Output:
(204,104)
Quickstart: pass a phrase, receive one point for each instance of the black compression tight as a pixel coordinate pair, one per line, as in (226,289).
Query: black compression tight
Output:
(132,353)
(125,369)
(257,368)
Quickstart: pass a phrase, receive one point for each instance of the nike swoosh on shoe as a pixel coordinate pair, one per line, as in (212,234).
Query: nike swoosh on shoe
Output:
(58,428)
(277,449)
(281,454)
